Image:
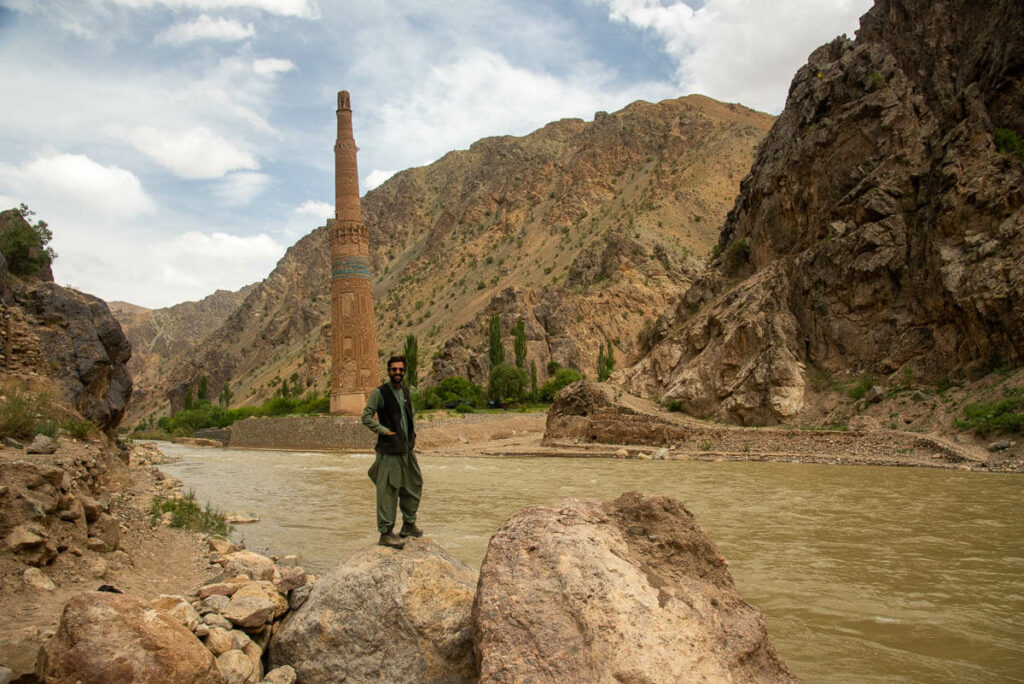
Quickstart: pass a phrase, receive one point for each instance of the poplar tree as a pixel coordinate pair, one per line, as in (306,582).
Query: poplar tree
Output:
(411,353)
(203,392)
(605,362)
(496,351)
(519,342)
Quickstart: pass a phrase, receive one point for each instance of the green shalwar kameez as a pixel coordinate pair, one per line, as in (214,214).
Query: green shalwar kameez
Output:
(397,476)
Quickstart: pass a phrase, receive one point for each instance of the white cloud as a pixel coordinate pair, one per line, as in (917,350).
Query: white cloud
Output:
(741,50)
(316,209)
(305,9)
(205,27)
(193,153)
(375,178)
(241,187)
(272,65)
(78,182)
(479,94)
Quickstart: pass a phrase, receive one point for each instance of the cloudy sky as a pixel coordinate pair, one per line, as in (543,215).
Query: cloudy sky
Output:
(180,146)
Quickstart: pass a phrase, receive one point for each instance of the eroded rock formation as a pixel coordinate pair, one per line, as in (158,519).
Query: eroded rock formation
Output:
(880,227)
(629,590)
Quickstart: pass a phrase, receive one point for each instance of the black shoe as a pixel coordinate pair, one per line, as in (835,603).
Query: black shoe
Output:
(390,540)
(409,529)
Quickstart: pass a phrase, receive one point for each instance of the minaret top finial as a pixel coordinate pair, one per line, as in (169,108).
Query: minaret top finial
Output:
(343,101)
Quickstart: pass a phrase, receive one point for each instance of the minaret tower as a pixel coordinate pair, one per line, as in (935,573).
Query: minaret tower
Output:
(353,333)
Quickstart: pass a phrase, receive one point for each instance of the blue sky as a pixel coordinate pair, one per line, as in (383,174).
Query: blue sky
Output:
(180,146)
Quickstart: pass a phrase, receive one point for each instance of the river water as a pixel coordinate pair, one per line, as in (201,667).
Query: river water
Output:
(864,574)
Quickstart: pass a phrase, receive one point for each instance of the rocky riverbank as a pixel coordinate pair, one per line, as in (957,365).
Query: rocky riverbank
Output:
(156,604)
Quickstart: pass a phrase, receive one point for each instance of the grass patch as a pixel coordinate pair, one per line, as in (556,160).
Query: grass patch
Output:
(28,409)
(827,426)
(822,380)
(1008,142)
(187,514)
(674,405)
(867,380)
(1001,415)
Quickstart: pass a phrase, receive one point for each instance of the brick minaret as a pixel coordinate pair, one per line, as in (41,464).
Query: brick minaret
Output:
(353,333)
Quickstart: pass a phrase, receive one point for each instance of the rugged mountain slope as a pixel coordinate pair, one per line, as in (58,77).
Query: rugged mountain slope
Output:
(584,229)
(881,229)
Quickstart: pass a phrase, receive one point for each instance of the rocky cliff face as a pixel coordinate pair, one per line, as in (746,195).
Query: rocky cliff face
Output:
(68,336)
(587,230)
(880,229)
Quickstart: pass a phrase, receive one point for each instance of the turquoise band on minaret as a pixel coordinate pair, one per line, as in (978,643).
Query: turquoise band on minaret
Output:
(350,267)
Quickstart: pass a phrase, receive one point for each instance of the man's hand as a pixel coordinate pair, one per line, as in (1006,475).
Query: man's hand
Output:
(391,434)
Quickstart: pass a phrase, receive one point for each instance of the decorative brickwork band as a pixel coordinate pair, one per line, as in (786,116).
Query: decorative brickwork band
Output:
(350,267)
(354,362)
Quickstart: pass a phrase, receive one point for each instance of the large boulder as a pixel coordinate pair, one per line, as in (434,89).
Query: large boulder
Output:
(105,637)
(85,350)
(631,590)
(384,615)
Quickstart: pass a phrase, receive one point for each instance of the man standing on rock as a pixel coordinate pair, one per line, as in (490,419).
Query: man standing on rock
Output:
(395,470)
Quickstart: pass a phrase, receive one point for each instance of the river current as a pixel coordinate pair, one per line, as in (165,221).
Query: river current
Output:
(864,574)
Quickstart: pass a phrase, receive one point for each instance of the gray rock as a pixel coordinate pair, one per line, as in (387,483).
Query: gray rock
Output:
(7,675)
(299,595)
(41,444)
(12,443)
(32,544)
(107,528)
(384,615)
(35,578)
(1001,445)
(216,603)
(291,578)
(217,620)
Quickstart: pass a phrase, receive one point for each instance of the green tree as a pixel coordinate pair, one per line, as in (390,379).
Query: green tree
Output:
(496,351)
(225,396)
(507,383)
(563,377)
(203,392)
(411,352)
(189,402)
(519,342)
(605,363)
(24,244)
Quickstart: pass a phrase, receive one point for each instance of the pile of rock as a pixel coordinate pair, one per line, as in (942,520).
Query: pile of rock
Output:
(628,590)
(218,635)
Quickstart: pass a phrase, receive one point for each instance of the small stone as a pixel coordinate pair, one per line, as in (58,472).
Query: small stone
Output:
(202,630)
(219,640)
(98,568)
(218,620)
(621,453)
(250,612)
(298,596)
(218,589)
(35,578)
(936,455)
(241,518)
(222,546)
(7,674)
(236,667)
(96,544)
(291,578)
(875,394)
(216,602)
(281,675)
(644,456)
(41,444)
(12,443)
(178,608)
(1001,445)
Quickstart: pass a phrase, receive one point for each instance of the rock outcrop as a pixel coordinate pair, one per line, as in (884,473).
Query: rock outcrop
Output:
(881,227)
(68,336)
(630,590)
(384,615)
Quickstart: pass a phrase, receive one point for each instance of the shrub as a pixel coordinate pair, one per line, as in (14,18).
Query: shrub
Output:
(1008,142)
(674,405)
(563,378)
(464,408)
(861,388)
(187,514)
(1002,415)
(507,383)
(736,254)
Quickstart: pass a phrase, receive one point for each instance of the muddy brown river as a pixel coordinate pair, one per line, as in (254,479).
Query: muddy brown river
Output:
(864,574)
